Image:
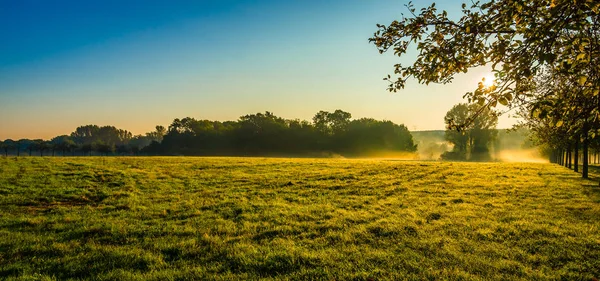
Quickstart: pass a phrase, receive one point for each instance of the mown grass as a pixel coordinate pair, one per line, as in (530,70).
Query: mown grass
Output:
(298,219)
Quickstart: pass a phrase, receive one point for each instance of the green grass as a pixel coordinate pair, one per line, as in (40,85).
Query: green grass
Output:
(249,218)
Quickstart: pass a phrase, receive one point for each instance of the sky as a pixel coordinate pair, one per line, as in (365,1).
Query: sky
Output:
(138,64)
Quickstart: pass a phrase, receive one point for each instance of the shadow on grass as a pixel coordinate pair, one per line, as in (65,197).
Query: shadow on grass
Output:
(594,172)
(592,187)
(593,175)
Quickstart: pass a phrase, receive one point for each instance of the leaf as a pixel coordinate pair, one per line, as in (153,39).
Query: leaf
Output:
(559,123)
(503,101)
(582,80)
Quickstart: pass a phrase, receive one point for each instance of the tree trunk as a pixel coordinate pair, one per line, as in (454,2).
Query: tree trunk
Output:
(558,157)
(584,172)
(576,164)
(569,157)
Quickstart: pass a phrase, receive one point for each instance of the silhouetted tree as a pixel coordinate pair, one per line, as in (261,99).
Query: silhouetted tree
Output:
(6,146)
(63,143)
(40,145)
(33,146)
(366,135)
(18,147)
(473,142)
(106,134)
(135,149)
(103,148)
(27,145)
(157,135)
(87,149)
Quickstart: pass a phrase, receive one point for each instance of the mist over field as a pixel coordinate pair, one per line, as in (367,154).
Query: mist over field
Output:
(531,155)
(509,146)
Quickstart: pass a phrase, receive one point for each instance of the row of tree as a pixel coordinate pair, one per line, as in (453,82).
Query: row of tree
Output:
(545,55)
(85,140)
(564,124)
(254,134)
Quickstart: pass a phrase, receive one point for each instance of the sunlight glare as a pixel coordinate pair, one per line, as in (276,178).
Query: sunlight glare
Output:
(488,80)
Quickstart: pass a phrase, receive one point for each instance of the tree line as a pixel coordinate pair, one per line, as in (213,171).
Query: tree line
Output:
(562,113)
(85,140)
(264,134)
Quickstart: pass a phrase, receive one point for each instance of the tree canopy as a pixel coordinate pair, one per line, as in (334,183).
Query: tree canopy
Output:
(545,56)
(518,38)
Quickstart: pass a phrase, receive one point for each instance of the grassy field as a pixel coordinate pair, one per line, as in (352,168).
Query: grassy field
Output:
(248,218)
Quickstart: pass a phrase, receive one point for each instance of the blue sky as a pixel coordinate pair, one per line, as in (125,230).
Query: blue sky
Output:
(137,64)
